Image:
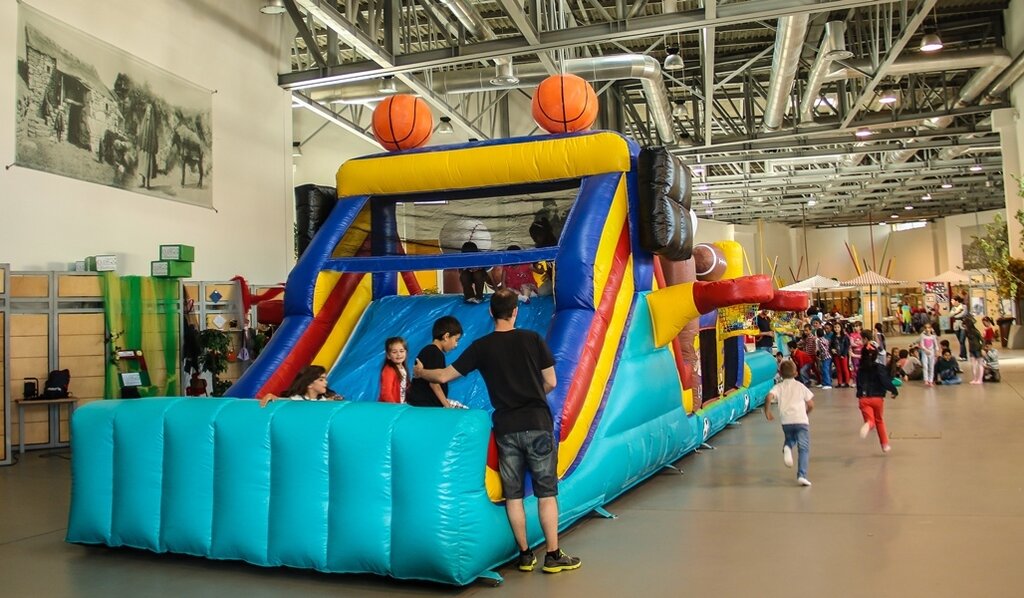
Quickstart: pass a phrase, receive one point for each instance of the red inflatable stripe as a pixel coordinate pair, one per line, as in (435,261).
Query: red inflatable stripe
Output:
(709,296)
(314,336)
(581,381)
(788,301)
(677,349)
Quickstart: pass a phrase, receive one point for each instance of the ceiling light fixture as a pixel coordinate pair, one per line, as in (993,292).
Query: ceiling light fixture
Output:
(926,196)
(273,7)
(908,207)
(946,184)
(811,202)
(673,61)
(387,85)
(976,167)
(504,75)
(863,132)
(445,128)
(931,42)
(894,216)
(887,97)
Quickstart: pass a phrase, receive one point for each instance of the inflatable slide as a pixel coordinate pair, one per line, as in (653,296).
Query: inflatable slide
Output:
(361,486)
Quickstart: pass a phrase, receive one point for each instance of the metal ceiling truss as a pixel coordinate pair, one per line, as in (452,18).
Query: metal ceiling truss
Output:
(734,108)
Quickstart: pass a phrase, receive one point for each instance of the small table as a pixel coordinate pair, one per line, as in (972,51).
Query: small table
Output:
(54,404)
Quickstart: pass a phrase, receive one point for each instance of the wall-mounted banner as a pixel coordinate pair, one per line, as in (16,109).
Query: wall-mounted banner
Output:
(90,111)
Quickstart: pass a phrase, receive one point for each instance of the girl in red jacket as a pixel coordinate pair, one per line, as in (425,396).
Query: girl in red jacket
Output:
(394,377)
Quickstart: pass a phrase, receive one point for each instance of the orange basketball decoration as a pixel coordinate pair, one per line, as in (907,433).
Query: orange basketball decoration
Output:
(564,103)
(402,122)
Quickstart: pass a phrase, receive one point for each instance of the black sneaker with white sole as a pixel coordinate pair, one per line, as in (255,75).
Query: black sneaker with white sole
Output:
(562,562)
(527,561)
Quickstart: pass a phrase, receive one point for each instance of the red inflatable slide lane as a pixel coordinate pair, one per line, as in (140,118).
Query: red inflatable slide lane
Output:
(314,336)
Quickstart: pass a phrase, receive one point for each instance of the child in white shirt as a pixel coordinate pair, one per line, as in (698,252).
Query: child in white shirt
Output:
(795,402)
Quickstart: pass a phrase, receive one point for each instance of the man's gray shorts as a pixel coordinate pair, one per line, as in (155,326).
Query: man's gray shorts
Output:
(533,450)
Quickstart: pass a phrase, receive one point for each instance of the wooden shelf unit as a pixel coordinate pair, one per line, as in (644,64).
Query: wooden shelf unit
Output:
(224,314)
(5,394)
(51,320)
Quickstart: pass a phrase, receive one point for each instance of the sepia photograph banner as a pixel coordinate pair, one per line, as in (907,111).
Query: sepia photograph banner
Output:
(90,111)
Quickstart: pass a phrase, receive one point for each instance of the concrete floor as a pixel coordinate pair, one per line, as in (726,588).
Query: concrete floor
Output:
(942,515)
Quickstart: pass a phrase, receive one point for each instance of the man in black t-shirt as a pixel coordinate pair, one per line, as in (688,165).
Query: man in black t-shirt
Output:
(446,332)
(765,336)
(518,370)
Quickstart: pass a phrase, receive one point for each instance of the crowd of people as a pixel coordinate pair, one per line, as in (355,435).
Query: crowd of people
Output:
(831,353)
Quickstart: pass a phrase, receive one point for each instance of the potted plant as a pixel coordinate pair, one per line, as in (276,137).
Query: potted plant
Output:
(215,346)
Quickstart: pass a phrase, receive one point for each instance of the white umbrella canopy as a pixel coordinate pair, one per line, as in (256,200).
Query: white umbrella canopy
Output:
(814,283)
(949,277)
(871,278)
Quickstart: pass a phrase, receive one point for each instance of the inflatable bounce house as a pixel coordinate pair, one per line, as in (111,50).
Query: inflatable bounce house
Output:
(646,329)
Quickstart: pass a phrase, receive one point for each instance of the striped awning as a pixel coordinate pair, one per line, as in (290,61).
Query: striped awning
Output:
(871,279)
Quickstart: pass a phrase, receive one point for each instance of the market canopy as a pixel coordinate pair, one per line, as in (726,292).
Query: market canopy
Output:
(949,276)
(871,278)
(814,283)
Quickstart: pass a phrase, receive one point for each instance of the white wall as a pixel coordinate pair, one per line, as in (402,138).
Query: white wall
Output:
(224,45)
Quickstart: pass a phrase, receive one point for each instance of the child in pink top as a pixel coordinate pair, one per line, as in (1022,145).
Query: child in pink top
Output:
(518,278)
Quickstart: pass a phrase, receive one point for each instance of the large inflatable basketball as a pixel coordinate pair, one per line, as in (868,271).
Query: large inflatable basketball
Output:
(402,122)
(564,104)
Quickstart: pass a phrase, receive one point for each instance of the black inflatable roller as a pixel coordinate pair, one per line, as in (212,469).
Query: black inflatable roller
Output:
(313,204)
(666,227)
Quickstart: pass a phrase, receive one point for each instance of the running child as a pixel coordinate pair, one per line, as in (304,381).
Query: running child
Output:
(795,402)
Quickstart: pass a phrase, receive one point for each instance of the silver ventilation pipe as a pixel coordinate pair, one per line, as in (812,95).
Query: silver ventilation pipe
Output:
(974,87)
(833,47)
(789,42)
(908,64)
(470,17)
(602,68)
(1003,82)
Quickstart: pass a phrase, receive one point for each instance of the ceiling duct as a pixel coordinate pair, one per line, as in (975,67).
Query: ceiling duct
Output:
(789,42)
(470,17)
(601,68)
(1003,82)
(974,87)
(833,47)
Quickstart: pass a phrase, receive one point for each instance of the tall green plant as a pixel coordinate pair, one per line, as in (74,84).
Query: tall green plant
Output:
(215,345)
(995,247)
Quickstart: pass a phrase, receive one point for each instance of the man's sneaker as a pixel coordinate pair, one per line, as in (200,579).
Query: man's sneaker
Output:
(826,387)
(527,560)
(563,562)
(865,430)
(803,481)
(787,456)
(886,448)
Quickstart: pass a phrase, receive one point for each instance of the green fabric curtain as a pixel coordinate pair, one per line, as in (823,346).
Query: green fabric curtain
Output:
(143,314)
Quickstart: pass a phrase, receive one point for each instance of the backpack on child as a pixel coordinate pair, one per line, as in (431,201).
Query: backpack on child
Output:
(56,386)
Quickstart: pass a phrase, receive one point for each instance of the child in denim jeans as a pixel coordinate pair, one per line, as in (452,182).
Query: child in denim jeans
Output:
(795,402)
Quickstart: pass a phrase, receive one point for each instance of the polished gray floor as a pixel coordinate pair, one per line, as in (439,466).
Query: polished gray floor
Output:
(941,515)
